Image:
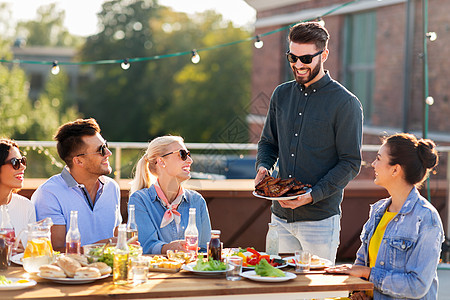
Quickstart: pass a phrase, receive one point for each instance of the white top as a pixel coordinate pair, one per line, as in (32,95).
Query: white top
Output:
(21,213)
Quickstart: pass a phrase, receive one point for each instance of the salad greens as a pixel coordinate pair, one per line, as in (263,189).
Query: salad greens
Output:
(4,280)
(209,265)
(108,255)
(266,270)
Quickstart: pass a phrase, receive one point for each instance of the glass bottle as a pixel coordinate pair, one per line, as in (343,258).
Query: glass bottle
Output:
(121,254)
(73,237)
(215,246)
(272,240)
(132,229)
(191,234)
(6,225)
(3,251)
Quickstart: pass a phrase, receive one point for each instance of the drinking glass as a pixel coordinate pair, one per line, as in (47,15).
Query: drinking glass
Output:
(139,269)
(234,268)
(302,261)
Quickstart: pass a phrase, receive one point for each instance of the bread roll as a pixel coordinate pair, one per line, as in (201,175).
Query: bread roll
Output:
(80,258)
(102,267)
(69,265)
(51,271)
(87,272)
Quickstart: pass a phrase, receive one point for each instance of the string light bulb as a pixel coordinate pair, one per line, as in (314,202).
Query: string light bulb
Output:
(432,36)
(429,100)
(125,64)
(258,42)
(321,21)
(195,57)
(55,68)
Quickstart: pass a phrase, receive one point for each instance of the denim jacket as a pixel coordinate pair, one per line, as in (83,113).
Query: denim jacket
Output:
(407,259)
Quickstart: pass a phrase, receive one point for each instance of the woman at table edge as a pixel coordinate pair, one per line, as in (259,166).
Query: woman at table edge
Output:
(161,203)
(401,241)
(12,169)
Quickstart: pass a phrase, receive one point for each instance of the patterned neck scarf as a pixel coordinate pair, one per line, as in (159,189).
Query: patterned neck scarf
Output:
(171,212)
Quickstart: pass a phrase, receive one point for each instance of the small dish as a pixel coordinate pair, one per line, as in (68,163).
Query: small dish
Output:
(252,276)
(15,285)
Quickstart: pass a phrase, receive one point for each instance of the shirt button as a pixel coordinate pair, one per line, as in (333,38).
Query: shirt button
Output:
(382,263)
(306,94)
(314,91)
(396,219)
(403,246)
(299,114)
(292,154)
(290,176)
(384,242)
(296,134)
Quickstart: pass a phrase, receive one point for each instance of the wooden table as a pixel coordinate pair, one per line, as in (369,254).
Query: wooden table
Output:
(190,286)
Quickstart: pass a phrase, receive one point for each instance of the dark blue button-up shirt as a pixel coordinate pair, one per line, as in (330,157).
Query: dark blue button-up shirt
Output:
(316,135)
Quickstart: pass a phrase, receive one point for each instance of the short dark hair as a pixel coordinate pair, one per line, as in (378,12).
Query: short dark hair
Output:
(416,157)
(309,33)
(5,148)
(69,137)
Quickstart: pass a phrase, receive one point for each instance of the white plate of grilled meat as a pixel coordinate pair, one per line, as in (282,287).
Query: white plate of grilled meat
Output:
(280,189)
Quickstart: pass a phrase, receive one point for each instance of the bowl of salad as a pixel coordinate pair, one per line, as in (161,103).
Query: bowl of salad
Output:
(93,252)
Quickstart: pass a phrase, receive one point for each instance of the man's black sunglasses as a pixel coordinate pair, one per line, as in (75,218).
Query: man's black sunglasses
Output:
(101,150)
(15,162)
(183,154)
(305,59)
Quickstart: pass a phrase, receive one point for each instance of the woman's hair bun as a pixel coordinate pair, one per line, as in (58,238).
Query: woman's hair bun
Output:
(427,152)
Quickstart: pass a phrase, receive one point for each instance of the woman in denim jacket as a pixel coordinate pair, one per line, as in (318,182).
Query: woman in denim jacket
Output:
(162,204)
(401,241)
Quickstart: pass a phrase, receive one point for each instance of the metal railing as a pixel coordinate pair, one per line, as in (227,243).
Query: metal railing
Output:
(117,147)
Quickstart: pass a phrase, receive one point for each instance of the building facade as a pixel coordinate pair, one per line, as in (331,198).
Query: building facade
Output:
(376,51)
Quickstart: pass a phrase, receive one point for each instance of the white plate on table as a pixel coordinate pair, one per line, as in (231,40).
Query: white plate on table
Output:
(73,280)
(252,276)
(323,262)
(308,190)
(17,259)
(17,286)
(190,267)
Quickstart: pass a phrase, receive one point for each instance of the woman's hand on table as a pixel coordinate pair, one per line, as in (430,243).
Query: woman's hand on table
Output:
(353,270)
(174,245)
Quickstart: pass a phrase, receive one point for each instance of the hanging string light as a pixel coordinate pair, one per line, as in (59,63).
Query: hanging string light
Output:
(55,68)
(432,36)
(321,21)
(195,57)
(125,64)
(258,43)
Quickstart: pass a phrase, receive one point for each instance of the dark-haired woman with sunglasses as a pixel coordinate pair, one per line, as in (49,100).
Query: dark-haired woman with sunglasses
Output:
(12,167)
(162,204)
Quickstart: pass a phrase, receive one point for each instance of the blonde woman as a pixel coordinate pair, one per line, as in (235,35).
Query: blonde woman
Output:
(161,203)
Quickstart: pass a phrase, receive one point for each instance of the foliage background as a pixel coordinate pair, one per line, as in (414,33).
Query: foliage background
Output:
(151,98)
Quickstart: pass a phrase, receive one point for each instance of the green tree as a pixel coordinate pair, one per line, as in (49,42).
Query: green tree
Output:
(211,97)
(167,95)
(47,29)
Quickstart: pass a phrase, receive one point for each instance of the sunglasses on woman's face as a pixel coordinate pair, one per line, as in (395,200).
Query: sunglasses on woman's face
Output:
(305,59)
(101,150)
(183,154)
(15,162)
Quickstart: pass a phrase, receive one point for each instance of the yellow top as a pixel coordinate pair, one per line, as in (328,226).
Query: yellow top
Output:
(375,241)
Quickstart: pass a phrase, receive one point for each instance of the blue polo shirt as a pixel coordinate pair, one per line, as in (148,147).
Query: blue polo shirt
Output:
(96,219)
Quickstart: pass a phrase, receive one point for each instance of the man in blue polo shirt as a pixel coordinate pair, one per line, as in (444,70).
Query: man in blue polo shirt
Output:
(81,186)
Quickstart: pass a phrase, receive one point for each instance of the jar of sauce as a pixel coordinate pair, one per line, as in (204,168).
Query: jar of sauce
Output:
(215,246)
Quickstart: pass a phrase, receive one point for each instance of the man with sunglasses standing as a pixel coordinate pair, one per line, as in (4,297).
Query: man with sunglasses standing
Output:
(314,129)
(81,186)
